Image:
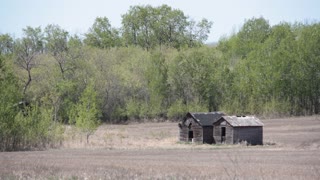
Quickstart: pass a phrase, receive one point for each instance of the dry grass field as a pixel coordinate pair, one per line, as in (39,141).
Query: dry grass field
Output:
(151,151)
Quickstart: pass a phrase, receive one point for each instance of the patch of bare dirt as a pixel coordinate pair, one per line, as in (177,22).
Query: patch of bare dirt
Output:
(298,132)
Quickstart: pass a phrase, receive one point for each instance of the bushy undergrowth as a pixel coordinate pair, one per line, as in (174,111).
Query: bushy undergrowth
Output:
(32,129)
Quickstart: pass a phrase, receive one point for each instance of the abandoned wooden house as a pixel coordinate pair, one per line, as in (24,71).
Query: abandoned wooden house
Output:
(198,127)
(236,129)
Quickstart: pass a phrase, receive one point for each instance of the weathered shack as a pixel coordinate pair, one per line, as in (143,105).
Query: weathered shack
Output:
(236,129)
(197,127)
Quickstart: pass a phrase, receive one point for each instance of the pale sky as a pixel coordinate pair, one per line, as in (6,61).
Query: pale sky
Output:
(77,16)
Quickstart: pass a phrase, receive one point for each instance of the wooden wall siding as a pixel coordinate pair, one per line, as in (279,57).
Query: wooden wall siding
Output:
(229,134)
(183,133)
(208,134)
(195,127)
(217,134)
(197,133)
(253,135)
(184,130)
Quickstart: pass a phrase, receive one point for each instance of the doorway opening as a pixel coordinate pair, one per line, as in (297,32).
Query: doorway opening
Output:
(190,134)
(223,134)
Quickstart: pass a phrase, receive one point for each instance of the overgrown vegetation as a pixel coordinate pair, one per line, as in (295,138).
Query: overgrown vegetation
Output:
(155,66)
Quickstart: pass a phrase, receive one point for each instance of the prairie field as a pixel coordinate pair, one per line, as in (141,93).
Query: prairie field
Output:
(291,150)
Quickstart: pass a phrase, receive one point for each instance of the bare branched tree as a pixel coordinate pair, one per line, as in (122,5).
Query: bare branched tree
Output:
(27,49)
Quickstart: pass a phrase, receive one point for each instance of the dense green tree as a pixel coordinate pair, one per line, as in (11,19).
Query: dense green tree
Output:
(149,27)
(6,44)
(57,45)
(137,26)
(102,35)
(86,113)
(10,96)
(252,34)
(158,85)
(277,70)
(308,69)
(197,33)
(194,77)
(67,51)
(169,26)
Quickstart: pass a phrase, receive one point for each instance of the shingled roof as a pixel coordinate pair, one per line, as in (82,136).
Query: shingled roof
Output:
(238,121)
(206,119)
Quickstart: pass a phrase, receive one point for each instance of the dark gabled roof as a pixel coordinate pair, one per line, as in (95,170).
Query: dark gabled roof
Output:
(206,118)
(241,121)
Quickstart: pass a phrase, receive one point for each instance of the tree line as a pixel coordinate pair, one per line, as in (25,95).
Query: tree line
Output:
(156,66)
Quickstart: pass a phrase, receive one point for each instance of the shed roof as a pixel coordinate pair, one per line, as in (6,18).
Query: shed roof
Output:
(238,121)
(206,118)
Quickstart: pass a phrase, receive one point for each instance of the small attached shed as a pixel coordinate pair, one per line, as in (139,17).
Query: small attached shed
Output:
(197,127)
(236,129)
